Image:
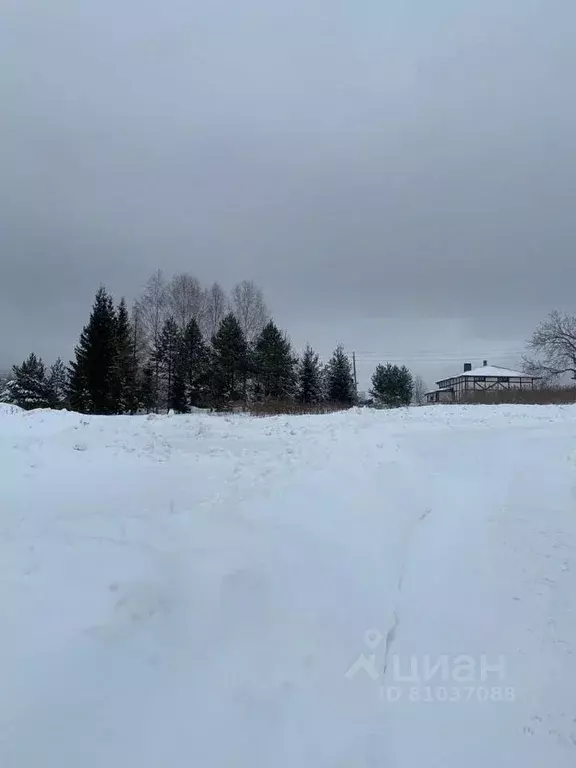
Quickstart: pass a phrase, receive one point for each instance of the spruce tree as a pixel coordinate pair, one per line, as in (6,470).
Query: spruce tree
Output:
(325,380)
(309,378)
(92,385)
(194,365)
(392,386)
(146,392)
(78,394)
(341,389)
(58,385)
(6,387)
(125,368)
(230,361)
(167,357)
(29,388)
(274,364)
(177,400)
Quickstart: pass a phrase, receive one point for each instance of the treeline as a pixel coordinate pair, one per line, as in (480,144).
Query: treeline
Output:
(182,347)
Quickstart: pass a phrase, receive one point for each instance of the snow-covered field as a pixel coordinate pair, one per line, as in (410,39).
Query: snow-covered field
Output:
(359,589)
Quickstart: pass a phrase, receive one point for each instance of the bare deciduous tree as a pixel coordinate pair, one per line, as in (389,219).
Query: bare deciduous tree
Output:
(418,390)
(250,309)
(153,309)
(553,345)
(185,299)
(215,309)
(139,335)
(154,306)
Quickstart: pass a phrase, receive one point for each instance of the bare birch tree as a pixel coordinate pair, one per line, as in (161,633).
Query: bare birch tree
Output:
(185,299)
(215,309)
(418,390)
(250,309)
(139,335)
(153,309)
(154,306)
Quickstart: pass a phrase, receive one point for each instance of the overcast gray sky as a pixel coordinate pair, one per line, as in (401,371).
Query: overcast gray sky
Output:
(397,176)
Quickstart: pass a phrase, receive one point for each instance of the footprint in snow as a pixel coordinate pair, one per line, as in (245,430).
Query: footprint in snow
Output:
(139,604)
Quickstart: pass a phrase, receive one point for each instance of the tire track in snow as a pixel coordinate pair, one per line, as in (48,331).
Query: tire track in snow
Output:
(390,636)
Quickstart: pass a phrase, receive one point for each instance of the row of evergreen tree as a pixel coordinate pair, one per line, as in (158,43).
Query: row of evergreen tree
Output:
(120,369)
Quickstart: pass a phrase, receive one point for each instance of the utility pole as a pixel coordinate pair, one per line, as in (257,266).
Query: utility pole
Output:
(354,367)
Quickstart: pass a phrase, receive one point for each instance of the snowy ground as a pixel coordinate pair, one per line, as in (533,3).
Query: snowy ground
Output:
(360,589)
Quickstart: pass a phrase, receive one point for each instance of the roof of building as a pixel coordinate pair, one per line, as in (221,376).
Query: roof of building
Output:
(492,371)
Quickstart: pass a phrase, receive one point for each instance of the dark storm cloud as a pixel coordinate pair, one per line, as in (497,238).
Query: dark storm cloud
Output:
(400,178)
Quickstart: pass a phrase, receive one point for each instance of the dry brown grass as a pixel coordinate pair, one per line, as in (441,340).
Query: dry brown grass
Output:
(540,396)
(291,409)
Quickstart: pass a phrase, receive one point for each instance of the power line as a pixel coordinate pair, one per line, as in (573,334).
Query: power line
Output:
(378,357)
(446,355)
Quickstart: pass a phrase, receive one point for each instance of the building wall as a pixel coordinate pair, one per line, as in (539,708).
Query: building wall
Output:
(460,386)
(439,396)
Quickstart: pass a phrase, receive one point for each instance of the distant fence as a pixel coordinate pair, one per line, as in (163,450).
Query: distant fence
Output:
(538,396)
